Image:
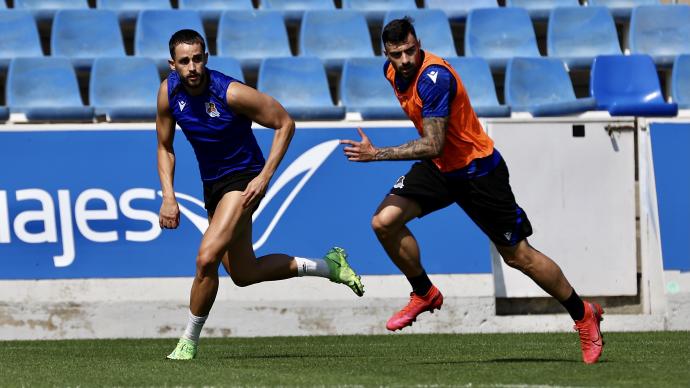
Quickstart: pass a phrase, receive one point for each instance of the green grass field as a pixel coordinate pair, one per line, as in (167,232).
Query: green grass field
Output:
(630,359)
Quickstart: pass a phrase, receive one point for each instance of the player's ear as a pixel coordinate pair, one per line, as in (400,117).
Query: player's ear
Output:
(171,63)
(205,59)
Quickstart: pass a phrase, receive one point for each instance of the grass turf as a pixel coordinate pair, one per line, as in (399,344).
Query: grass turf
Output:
(629,359)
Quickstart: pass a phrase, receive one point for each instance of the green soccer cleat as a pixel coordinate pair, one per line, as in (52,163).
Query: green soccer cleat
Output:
(185,350)
(341,272)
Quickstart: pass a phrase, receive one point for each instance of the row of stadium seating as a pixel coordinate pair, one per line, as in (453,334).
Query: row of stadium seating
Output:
(124,88)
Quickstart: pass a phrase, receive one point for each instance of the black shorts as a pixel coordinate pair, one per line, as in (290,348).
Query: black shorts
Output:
(234,181)
(487,199)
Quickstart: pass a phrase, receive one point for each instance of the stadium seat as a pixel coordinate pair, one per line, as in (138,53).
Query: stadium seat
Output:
(540,9)
(211,10)
(479,84)
(621,9)
(498,34)
(4,112)
(662,31)
(293,10)
(226,65)
(680,81)
(128,10)
(458,10)
(19,36)
(300,84)
(374,10)
(83,35)
(334,36)
(124,88)
(251,36)
(154,29)
(45,89)
(542,87)
(44,10)
(578,34)
(628,85)
(3,6)
(432,28)
(364,89)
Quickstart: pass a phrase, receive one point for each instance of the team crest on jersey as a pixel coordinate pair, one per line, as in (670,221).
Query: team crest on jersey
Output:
(211,109)
(400,183)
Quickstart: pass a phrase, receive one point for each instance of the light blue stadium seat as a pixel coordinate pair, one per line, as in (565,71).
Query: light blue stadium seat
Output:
(432,28)
(498,34)
(300,85)
(19,36)
(128,10)
(542,87)
(374,10)
(45,89)
(540,9)
(662,31)
(458,10)
(44,10)
(364,89)
(154,29)
(251,36)
(680,81)
(293,10)
(621,9)
(83,34)
(628,85)
(124,88)
(211,10)
(578,34)
(334,36)
(226,65)
(478,82)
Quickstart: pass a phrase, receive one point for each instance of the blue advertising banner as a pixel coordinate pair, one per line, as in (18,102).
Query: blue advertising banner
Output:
(84,204)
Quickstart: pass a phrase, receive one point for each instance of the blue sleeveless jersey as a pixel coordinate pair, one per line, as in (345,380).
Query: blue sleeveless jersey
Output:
(223,140)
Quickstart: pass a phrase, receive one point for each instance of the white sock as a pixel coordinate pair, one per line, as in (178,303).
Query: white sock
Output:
(312,267)
(194,325)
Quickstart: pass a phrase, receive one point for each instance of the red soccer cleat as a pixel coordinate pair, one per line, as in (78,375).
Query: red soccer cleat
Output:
(417,305)
(591,339)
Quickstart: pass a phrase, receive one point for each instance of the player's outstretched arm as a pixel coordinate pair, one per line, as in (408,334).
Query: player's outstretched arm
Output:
(169,216)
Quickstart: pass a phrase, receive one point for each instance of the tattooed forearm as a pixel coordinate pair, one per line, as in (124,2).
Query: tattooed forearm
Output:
(428,146)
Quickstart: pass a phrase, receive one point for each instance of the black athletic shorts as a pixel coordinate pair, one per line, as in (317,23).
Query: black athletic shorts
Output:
(487,199)
(234,181)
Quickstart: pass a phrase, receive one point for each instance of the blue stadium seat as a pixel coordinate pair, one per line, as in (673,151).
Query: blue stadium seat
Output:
(19,36)
(540,9)
(458,10)
(498,34)
(44,10)
(578,34)
(628,85)
(128,10)
(226,65)
(45,89)
(479,84)
(4,112)
(364,89)
(680,81)
(542,87)
(432,28)
(211,10)
(300,84)
(374,10)
(251,36)
(124,88)
(621,9)
(662,31)
(293,10)
(334,36)
(154,29)
(83,35)
(3,6)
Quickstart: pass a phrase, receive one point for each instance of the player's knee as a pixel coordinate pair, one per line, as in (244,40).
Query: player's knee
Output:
(518,259)
(381,226)
(241,279)
(206,262)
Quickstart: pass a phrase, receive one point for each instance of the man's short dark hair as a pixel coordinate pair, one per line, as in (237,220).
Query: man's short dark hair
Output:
(185,36)
(396,31)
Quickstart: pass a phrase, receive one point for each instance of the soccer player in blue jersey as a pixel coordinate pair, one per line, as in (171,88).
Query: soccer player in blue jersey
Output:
(215,112)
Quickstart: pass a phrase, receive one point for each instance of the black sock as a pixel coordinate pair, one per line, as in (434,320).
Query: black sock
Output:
(420,284)
(575,306)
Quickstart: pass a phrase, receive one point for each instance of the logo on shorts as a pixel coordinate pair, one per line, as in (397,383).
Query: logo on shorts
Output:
(211,109)
(508,235)
(400,183)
